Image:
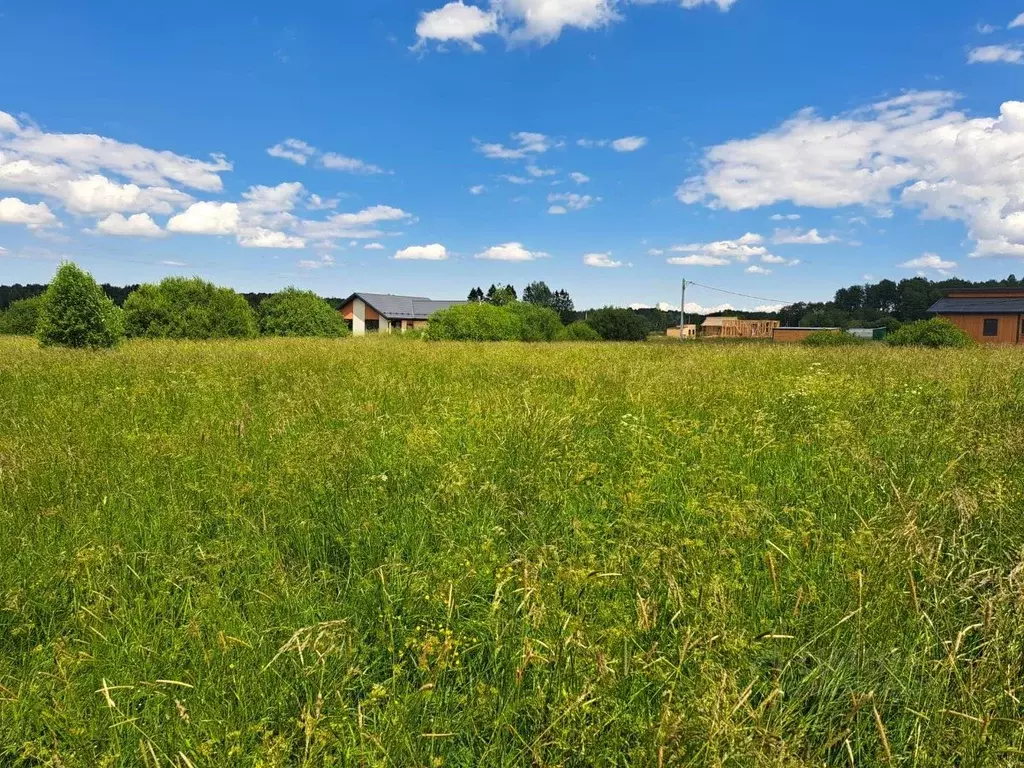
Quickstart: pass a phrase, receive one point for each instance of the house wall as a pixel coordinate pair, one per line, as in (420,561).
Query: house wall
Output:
(793,335)
(1009,327)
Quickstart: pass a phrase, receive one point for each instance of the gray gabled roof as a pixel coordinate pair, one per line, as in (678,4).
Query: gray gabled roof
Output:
(402,307)
(978,306)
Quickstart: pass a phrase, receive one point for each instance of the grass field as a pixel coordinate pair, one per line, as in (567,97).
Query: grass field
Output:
(378,552)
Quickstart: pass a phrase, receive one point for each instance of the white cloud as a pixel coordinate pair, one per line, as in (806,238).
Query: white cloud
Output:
(1017,22)
(528,143)
(539,173)
(698,260)
(325,260)
(433,252)
(992,54)
(521,21)
(771,258)
(515,179)
(985,29)
(570,201)
(335,162)
(655,252)
(98,194)
(456,22)
(799,237)
(295,150)
(283,197)
(693,308)
(913,149)
(601,260)
(579,178)
(258,237)
(785,216)
(373,247)
(15,211)
(629,143)
(363,225)
(172,263)
(137,225)
(479,189)
(510,252)
(930,261)
(317,203)
(753,269)
(206,218)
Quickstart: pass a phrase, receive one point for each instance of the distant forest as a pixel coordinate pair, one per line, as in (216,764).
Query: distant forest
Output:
(883,303)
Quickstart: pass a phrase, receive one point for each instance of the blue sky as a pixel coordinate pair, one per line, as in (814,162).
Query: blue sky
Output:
(611,147)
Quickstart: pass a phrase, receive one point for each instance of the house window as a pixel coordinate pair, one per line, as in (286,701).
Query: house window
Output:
(990,327)
(372,326)
(396,325)
(349,324)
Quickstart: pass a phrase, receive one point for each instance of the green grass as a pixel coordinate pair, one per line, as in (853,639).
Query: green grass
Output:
(376,552)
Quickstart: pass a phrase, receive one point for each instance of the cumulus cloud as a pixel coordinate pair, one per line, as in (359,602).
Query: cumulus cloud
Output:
(570,201)
(579,178)
(332,161)
(433,252)
(539,173)
(259,237)
(510,252)
(603,260)
(136,225)
(698,260)
(930,261)
(753,269)
(362,225)
(785,217)
(526,143)
(206,218)
(1017,22)
(799,237)
(478,189)
(456,22)
(720,252)
(629,143)
(373,247)
(914,149)
(317,203)
(295,150)
(520,180)
(522,21)
(15,211)
(992,54)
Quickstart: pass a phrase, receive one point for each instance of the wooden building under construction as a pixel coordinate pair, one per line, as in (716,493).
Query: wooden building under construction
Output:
(737,328)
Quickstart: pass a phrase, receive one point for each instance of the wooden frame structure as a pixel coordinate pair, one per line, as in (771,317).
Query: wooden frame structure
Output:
(737,328)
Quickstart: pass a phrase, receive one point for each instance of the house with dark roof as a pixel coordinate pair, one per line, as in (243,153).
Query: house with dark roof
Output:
(387,313)
(989,315)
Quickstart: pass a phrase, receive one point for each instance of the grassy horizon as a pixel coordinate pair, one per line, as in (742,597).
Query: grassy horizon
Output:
(383,552)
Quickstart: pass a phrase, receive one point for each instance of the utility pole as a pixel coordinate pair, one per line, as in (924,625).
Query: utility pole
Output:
(682,312)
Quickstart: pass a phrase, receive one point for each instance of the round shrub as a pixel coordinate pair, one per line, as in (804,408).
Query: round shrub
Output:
(292,312)
(478,321)
(936,332)
(188,308)
(539,323)
(832,339)
(21,317)
(618,324)
(75,312)
(581,331)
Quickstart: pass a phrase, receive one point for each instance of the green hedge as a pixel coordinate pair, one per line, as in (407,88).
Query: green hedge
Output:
(292,312)
(188,308)
(21,317)
(581,331)
(935,333)
(832,339)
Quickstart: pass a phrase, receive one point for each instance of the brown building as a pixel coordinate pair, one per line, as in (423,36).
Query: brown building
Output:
(989,315)
(386,313)
(689,331)
(735,328)
(793,335)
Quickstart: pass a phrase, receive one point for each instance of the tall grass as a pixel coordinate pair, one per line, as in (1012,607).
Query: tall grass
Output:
(379,553)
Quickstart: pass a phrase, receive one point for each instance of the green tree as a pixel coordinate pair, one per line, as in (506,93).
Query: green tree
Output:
(475,322)
(75,312)
(850,299)
(21,317)
(538,323)
(538,293)
(618,324)
(188,308)
(581,331)
(476,295)
(883,296)
(292,312)
(501,294)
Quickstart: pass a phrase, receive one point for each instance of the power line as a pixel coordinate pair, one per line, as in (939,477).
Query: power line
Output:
(744,295)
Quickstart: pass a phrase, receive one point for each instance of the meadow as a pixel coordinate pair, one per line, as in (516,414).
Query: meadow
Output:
(384,552)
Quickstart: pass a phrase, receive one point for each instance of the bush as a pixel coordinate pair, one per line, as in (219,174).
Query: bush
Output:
(539,323)
(581,331)
(188,308)
(936,333)
(832,339)
(75,312)
(21,317)
(618,324)
(292,312)
(478,321)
